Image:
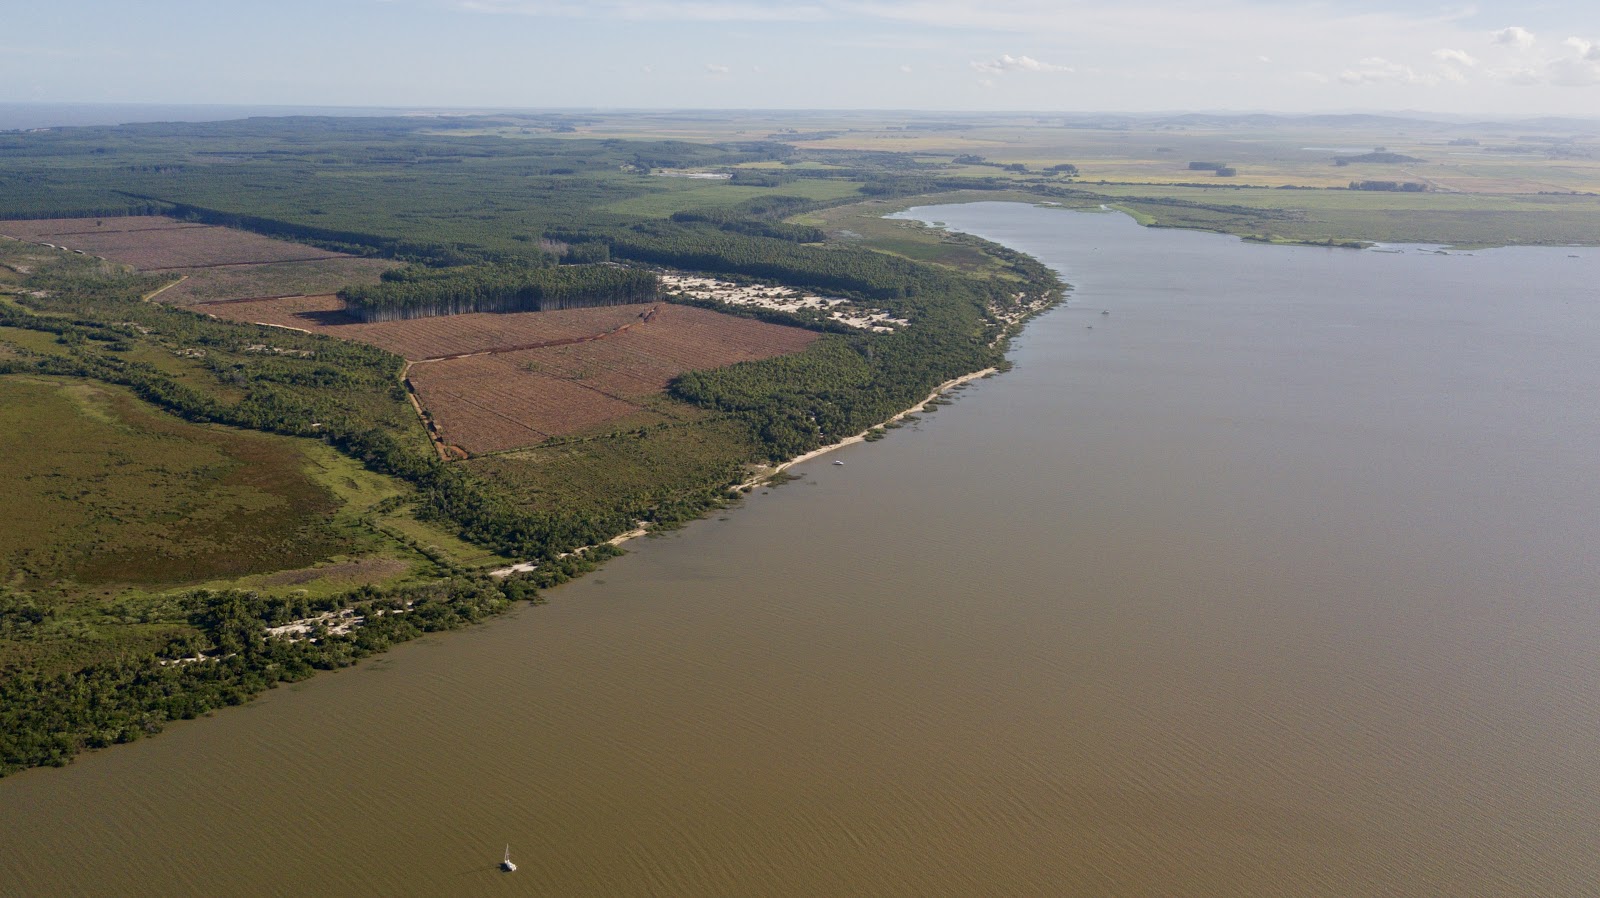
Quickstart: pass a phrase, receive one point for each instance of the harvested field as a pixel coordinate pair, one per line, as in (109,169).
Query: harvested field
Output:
(490,386)
(41,229)
(642,361)
(322,276)
(485,404)
(155,243)
(489,403)
(426,338)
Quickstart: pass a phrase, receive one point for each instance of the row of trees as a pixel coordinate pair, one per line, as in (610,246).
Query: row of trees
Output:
(417,292)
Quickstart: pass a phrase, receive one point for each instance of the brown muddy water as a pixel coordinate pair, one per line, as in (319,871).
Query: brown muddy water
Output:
(1279,580)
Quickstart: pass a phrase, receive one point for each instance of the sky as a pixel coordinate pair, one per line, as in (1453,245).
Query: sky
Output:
(1491,57)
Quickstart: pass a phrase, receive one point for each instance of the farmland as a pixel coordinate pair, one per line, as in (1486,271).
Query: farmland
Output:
(158,243)
(506,400)
(427,338)
(207,262)
(596,368)
(577,425)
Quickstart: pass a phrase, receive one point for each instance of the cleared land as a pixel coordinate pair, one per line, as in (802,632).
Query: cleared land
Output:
(212,262)
(493,382)
(156,243)
(426,338)
(506,400)
(321,276)
(489,382)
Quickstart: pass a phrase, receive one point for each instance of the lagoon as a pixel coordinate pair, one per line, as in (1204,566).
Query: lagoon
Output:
(1278,579)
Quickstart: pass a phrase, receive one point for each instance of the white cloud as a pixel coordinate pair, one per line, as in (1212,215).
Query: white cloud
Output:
(1577,66)
(1574,72)
(1377,70)
(1167,52)
(717,69)
(1009,63)
(1515,36)
(1587,50)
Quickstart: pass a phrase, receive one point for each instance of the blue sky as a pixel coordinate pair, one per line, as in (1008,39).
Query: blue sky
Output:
(1133,55)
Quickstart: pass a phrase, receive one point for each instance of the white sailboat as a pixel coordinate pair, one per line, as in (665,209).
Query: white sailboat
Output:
(506,864)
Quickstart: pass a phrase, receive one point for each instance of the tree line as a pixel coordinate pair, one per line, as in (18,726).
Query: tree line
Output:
(416,291)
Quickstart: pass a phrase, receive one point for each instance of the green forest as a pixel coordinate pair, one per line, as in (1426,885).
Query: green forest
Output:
(481,224)
(419,291)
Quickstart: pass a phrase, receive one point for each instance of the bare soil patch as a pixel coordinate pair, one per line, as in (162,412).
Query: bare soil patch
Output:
(426,338)
(506,400)
(320,276)
(156,243)
(597,368)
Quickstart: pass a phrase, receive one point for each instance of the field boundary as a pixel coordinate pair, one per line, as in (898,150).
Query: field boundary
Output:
(234,264)
(438,442)
(543,344)
(228,302)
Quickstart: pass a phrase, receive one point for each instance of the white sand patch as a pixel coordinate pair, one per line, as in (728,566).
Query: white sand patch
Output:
(693,175)
(781,299)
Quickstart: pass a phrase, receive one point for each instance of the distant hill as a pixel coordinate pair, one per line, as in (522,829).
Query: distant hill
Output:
(1383,157)
(1414,122)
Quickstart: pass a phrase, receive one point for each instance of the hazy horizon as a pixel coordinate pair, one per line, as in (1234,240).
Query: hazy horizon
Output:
(1494,58)
(26,115)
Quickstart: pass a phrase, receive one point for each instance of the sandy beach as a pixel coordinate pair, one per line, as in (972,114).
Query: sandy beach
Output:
(766,473)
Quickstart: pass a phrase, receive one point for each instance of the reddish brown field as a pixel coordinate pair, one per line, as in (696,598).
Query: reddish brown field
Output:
(484,404)
(155,243)
(641,361)
(488,403)
(426,338)
(41,229)
(320,276)
(490,382)
(503,397)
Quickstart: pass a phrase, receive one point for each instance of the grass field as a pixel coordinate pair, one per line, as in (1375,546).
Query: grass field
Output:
(1340,216)
(114,508)
(1456,219)
(126,495)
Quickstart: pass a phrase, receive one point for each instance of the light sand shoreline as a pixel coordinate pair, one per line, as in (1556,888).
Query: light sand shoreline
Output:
(767,473)
(861,437)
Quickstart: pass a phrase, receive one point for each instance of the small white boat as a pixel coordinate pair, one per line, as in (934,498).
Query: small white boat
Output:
(506,864)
